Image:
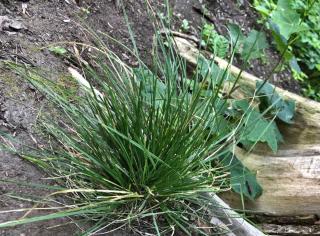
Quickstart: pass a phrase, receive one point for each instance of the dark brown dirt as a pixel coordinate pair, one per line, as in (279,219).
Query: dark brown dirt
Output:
(49,21)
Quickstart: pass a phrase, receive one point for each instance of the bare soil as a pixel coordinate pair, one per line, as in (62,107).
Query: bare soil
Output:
(49,21)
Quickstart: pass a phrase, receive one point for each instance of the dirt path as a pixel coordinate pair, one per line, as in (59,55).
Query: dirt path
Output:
(44,22)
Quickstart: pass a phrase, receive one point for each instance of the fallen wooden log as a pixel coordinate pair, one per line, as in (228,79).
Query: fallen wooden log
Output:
(228,218)
(291,230)
(291,178)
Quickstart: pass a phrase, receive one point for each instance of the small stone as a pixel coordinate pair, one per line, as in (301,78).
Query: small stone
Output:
(16,25)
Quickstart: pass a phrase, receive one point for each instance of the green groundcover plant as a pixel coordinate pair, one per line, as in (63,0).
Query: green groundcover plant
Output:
(247,48)
(139,148)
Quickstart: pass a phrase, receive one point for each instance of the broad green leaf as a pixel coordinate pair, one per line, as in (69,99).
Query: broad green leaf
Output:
(221,127)
(284,4)
(241,104)
(254,45)
(243,181)
(280,41)
(209,70)
(282,109)
(294,65)
(236,35)
(288,21)
(286,111)
(263,131)
(258,129)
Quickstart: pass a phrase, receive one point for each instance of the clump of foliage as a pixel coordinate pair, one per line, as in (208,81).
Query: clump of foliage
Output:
(214,42)
(141,148)
(273,107)
(248,47)
(259,120)
(294,25)
(185,26)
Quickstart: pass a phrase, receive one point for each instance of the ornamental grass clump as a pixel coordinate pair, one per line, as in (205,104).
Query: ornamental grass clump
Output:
(138,148)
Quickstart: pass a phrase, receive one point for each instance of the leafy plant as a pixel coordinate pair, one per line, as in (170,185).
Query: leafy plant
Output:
(249,48)
(312,93)
(294,25)
(185,26)
(215,43)
(259,121)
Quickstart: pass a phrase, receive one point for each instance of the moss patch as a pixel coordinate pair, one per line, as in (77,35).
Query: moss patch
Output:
(67,87)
